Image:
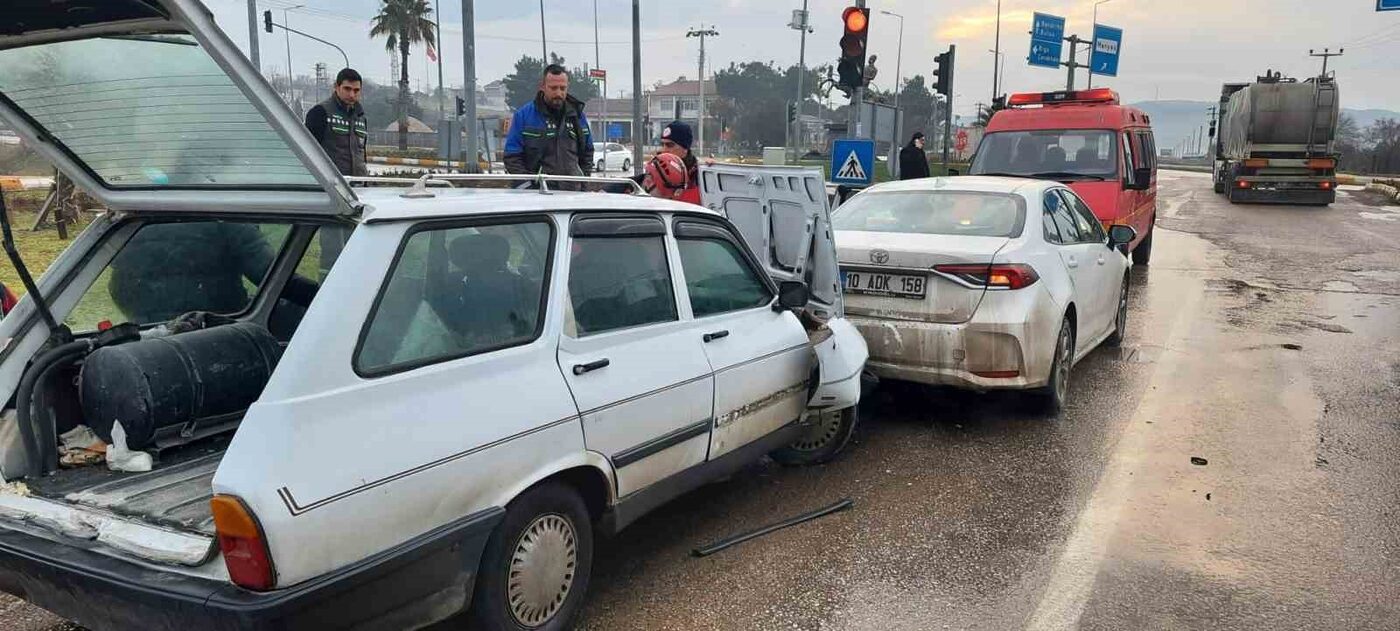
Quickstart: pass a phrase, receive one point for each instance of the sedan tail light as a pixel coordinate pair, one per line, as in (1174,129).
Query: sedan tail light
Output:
(994,276)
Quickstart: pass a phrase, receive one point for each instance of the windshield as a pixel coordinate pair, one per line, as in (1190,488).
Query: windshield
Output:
(154,111)
(1065,153)
(959,213)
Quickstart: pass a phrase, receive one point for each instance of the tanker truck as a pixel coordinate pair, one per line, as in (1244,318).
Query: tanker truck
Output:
(1276,141)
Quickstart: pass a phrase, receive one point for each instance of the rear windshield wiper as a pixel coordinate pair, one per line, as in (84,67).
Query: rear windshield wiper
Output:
(1067,175)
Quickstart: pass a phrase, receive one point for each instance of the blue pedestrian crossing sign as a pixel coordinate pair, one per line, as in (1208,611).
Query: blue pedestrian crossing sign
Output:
(1047,40)
(853,161)
(1388,5)
(1104,59)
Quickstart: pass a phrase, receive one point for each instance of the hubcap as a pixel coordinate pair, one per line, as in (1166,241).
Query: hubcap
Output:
(821,433)
(542,570)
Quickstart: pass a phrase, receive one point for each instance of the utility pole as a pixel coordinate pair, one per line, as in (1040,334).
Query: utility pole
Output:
(291,74)
(1094,33)
(442,90)
(996,57)
(702,34)
(894,128)
(544,46)
(1326,54)
(637,86)
(1074,42)
(469,84)
(801,24)
(598,63)
(253,34)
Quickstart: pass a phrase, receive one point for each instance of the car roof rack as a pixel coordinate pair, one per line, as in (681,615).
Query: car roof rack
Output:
(539,182)
(367,180)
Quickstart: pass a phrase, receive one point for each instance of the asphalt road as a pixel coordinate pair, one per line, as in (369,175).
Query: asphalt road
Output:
(1263,339)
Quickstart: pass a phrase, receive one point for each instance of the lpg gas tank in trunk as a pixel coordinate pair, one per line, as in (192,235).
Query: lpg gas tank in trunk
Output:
(880,270)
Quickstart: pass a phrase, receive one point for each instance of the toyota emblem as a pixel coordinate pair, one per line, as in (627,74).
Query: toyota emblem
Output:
(879,257)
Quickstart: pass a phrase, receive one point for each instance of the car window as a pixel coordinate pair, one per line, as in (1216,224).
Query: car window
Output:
(1090,230)
(458,291)
(1062,152)
(1065,224)
(168,269)
(315,262)
(1128,158)
(959,213)
(619,282)
(1052,232)
(718,277)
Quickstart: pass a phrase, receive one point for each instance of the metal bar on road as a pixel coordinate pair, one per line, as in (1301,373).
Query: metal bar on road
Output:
(754,534)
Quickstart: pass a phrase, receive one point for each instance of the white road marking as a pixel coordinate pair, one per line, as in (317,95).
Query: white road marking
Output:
(1072,580)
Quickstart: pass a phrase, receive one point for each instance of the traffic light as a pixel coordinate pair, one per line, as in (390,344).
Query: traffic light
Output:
(943,73)
(792,113)
(267,21)
(850,69)
(461,106)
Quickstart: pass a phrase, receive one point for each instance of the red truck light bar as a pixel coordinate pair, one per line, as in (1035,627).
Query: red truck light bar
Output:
(1096,95)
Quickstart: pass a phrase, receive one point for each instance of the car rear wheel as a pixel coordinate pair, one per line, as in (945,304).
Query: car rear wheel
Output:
(534,571)
(626,165)
(602,166)
(1142,254)
(1056,391)
(1120,321)
(822,441)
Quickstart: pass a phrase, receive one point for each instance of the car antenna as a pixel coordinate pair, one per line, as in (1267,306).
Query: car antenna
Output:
(55,332)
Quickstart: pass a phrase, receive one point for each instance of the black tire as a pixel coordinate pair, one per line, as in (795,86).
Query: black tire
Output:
(1120,319)
(602,166)
(1142,254)
(626,166)
(1219,187)
(1056,393)
(553,512)
(823,442)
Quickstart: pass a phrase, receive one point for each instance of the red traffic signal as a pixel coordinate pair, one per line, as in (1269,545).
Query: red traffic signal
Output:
(856,19)
(851,67)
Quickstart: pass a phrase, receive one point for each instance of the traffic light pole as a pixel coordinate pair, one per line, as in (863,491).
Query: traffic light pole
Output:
(948,111)
(469,84)
(857,97)
(253,34)
(1073,62)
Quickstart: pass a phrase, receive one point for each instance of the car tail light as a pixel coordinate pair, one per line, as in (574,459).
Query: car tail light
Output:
(1242,184)
(241,540)
(996,276)
(1324,185)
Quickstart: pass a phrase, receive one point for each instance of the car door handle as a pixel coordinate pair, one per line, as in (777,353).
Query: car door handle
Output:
(580,369)
(717,335)
(1072,262)
(1102,260)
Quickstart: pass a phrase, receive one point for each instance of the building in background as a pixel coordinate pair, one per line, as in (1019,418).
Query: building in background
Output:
(680,100)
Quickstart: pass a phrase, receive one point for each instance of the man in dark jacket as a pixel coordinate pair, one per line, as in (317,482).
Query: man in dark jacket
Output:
(550,134)
(339,124)
(912,161)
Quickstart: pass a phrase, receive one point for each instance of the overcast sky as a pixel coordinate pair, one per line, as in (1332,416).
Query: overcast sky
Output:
(1172,49)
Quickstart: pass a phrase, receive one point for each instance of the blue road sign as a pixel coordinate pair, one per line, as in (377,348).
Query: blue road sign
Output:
(614,130)
(1047,40)
(853,161)
(1388,5)
(1104,59)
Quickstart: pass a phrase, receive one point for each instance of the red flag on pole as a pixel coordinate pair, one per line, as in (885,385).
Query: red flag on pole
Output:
(432,54)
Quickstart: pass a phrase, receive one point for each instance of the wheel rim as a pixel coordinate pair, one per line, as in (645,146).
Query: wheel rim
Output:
(1062,368)
(821,433)
(541,570)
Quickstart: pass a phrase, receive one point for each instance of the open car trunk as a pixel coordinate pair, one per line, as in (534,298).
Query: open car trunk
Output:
(152,110)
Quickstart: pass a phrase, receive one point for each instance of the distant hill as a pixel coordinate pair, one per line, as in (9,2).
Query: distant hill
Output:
(1175,121)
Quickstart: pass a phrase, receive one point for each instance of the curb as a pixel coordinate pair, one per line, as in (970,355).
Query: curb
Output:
(1389,191)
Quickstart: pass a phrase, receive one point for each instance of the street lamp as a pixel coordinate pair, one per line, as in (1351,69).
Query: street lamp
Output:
(1091,40)
(899,56)
(996,49)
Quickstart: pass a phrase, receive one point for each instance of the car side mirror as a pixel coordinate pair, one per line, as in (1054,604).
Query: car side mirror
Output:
(1119,236)
(791,295)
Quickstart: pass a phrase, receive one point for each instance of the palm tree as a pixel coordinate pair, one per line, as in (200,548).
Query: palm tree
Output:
(404,23)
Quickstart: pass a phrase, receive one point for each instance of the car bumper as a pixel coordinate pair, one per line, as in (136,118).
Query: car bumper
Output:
(1284,195)
(424,580)
(1009,332)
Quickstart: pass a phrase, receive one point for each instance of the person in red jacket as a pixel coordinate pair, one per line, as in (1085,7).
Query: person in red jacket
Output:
(7,300)
(676,139)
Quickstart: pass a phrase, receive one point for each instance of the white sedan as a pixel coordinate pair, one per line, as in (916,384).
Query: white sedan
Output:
(981,282)
(611,156)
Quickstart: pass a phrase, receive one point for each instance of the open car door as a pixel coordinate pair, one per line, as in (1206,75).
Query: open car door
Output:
(149,107)
(783,215)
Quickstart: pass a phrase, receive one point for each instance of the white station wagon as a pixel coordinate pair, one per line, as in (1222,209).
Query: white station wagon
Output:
(369,407)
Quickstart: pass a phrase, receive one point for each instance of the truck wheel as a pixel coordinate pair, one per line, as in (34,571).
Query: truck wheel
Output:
(534,571)
(1055,393)
(1219,188)
(1120,320)
(1142,254)
(823,441)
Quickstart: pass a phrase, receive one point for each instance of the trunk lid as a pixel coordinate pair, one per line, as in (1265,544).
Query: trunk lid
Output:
(782,213)
(148,106)
(946,298)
